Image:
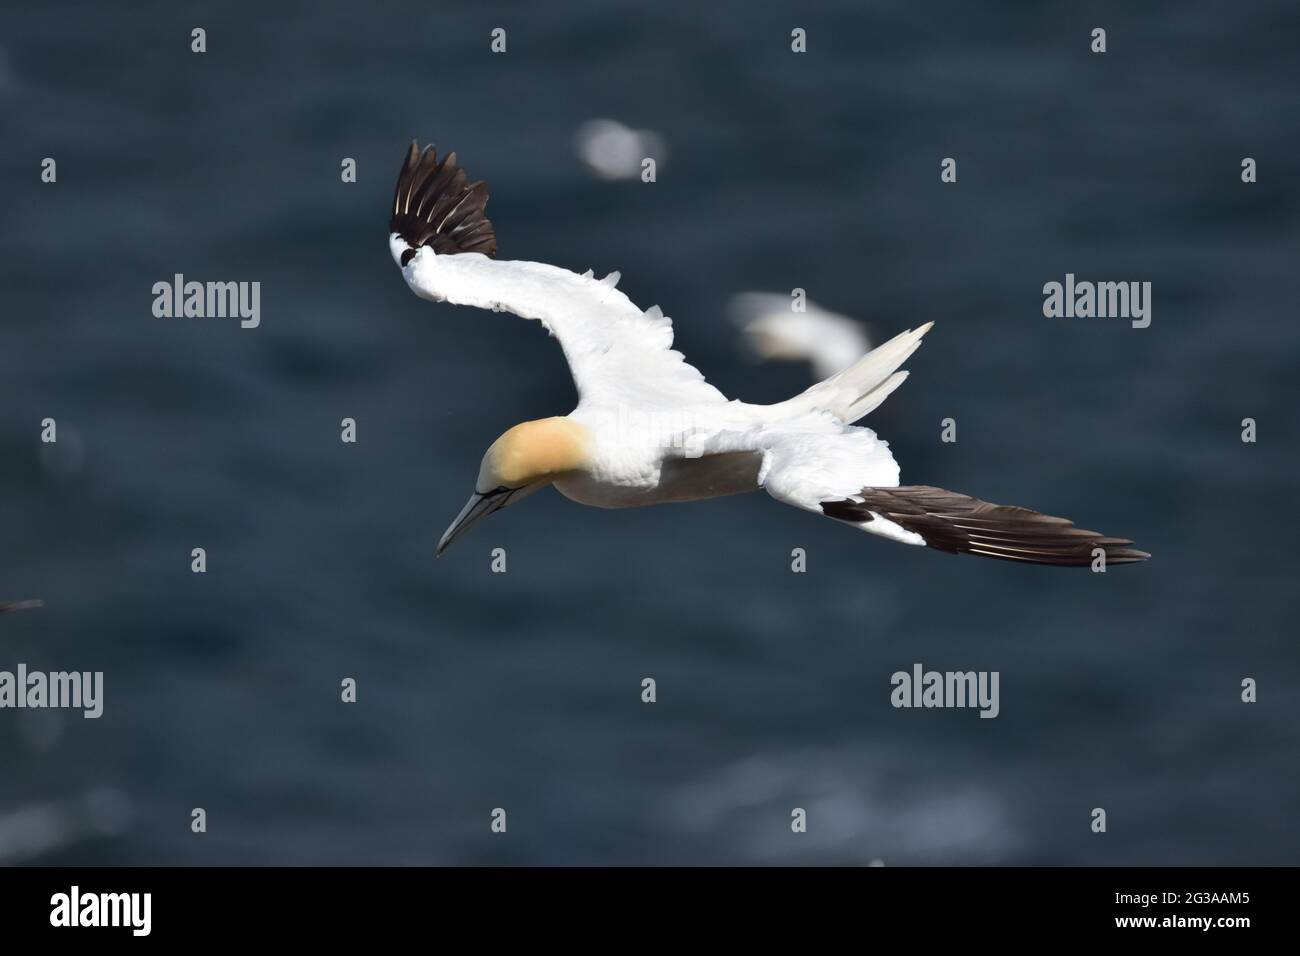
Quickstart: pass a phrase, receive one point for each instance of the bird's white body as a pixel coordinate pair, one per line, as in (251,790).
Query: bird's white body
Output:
(632,466)
(630,481)
(707,451)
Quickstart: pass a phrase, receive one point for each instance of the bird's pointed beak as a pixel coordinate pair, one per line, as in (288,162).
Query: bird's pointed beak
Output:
(478,506)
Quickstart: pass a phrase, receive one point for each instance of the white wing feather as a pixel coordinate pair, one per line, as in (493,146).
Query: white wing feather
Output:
(617,353)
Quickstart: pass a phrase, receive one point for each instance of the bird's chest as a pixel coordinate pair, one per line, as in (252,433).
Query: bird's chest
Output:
(613,481)
(629,485)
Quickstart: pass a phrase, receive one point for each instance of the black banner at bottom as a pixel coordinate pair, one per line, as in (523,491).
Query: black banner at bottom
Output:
(336,906)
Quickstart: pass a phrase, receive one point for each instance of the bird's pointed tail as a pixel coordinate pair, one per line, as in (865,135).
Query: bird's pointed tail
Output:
(860,388)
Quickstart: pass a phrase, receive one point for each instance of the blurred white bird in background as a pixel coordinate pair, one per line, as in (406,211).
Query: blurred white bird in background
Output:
(19,605)
(774,331)
(612,150)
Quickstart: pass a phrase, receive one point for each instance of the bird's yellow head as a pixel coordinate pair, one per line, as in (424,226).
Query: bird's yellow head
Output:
(534,452)
(525,459)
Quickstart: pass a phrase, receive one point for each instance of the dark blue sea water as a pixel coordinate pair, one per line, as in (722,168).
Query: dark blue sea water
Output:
(522,690)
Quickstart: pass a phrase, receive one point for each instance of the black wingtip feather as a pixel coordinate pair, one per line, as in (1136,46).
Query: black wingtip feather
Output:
(959,524)
(436,205)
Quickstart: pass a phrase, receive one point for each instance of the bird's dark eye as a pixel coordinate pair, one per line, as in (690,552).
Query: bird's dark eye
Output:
(408,255)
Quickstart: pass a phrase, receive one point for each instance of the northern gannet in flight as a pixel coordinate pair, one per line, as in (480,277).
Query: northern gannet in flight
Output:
(649,429)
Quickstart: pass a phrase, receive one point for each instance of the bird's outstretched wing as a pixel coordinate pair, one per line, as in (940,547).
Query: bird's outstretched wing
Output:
(617,353)
(849,475)
(959,524)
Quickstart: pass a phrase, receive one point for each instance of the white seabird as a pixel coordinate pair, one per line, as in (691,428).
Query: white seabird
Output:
(612,150)
(774,331)
(649,429)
